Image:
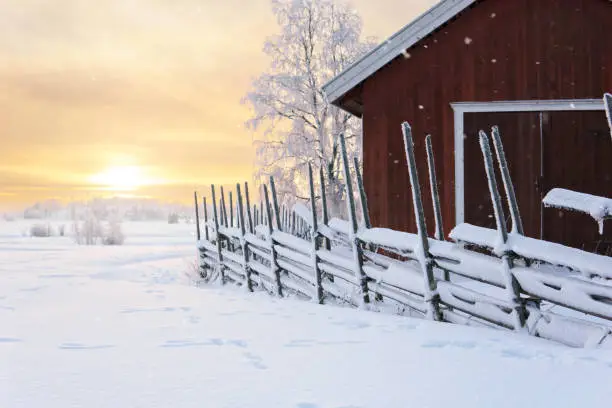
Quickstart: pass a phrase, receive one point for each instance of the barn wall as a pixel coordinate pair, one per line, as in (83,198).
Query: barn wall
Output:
(496,50)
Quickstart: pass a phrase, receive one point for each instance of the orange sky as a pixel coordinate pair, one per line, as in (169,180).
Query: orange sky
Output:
(87,84)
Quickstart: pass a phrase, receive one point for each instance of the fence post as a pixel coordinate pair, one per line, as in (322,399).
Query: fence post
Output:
(273,255)
(197,215)
(608,106)
(513,289)
(245,244)
(216,217)
(223,209)
(517,223)
(248,206)
(315,237)
(256,216)
(275,204)
(362,195)
(324,205)
(231,208)
(435,195)
(433,185)
(432,298)
(205,218)
(357,250)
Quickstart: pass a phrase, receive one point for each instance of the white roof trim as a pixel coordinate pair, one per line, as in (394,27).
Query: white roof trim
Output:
(394,46)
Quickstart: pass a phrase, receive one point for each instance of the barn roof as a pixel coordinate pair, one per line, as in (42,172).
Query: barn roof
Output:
(405,38)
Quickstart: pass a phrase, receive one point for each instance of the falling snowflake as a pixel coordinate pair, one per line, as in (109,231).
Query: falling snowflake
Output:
(395,161)
(493,60)
(573,105)
(467,40)
(421,107)
(406,54)
(493,15)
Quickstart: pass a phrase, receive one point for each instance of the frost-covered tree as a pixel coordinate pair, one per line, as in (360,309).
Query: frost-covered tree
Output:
(293,122)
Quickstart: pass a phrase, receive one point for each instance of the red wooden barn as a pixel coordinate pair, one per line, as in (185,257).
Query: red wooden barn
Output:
(536,68)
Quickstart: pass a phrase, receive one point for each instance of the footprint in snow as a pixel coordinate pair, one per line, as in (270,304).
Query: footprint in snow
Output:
(255,360)
(80,346)
(10,340)
(161,309)
(458,344)
(191,343)
(207,342)
(353,324)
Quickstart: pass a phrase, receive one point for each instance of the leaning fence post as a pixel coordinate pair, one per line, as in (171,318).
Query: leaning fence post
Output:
(432,298)
(231,208)
(315,238)
(218,235)
(205,218)
(608,106)
(362,195)
(275,204)
(513,288)
(435,195)
(324,205)
(197,215)
(223,214)
(243,241)
(517,223)
(357,250)
(273,255)
(433,185)
(248,206)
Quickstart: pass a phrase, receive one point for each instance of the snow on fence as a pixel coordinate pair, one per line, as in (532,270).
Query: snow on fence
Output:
(487,277)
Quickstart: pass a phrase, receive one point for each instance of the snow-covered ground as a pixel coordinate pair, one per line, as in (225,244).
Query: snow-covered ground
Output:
(126,327)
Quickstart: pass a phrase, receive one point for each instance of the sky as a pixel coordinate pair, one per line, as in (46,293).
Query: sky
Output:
(140,95)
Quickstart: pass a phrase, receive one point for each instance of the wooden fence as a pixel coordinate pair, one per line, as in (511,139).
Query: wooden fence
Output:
(484,277)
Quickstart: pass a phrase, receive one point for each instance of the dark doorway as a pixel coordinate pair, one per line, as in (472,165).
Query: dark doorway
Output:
(566,149)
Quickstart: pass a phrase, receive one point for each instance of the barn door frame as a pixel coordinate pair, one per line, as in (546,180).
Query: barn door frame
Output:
(460,108)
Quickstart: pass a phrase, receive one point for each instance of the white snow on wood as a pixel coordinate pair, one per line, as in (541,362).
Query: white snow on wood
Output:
(293,255)
(556,254)
(340,226)
(296,270)
(599,208)
(295,243)
(403,241)
(579,295)
(467,263)
(475,303)
(254,240)
(400,276)
(303,212)
(336,258)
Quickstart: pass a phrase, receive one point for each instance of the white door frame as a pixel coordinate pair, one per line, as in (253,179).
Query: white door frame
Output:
(460,108)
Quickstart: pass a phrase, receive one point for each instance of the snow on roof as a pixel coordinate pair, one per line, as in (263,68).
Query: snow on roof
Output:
(412,33)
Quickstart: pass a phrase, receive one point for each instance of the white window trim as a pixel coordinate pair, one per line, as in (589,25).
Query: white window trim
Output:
(460,108)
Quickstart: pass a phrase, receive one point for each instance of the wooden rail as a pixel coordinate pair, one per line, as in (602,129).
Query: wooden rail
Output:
(513,282)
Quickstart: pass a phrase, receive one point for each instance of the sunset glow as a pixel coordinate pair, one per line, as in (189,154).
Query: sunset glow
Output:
(157,81)
(120,178)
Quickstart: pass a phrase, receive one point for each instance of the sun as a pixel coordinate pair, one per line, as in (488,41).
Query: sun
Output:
(119,178)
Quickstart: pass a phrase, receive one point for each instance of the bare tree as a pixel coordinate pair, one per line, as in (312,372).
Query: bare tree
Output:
(294,123)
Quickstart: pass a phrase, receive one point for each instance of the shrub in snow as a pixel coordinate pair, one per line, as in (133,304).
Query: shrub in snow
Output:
(173,218)
(88,231)
(41,230)
(112,234)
